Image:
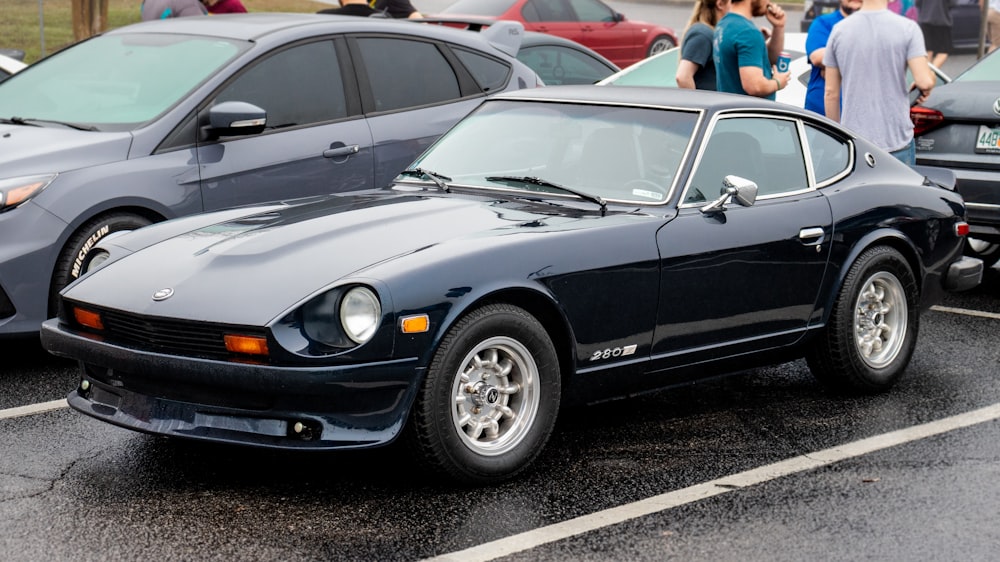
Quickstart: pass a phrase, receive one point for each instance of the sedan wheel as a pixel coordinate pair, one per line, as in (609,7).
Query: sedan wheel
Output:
(989,252)
(660,44)
(490,398)
(872,330)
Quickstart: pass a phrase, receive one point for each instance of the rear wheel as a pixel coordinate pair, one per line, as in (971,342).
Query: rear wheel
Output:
(989,252)
(490,398)
(873,326)
(71,261)
(660,44)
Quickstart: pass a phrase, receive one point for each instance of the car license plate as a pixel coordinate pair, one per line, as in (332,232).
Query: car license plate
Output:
(988,140)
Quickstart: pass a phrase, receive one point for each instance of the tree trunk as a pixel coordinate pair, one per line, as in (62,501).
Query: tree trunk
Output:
(90,17)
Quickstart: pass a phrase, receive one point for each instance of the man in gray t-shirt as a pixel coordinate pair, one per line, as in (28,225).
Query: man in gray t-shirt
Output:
(866,60)
(162,9)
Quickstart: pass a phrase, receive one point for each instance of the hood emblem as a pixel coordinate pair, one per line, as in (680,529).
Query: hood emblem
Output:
(163,294)
(996,106)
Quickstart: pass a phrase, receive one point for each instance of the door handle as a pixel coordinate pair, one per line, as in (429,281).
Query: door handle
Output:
(812,236)
(337,152)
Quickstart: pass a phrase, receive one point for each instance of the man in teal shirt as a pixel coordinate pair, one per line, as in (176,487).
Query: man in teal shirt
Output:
(743,59)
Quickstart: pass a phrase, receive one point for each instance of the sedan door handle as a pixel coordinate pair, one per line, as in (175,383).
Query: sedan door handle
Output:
(812,236)
(337,152)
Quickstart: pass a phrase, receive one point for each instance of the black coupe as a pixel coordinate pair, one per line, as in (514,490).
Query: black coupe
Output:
(562,245)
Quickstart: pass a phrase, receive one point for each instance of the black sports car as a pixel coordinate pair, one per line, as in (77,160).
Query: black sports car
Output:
(958,128)
(563,245)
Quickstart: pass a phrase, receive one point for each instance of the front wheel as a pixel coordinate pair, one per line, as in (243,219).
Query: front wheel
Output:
(490,397)
(872,331)
(660,44)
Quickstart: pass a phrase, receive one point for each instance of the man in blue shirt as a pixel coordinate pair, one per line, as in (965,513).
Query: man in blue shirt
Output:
(819,33)
(743,59)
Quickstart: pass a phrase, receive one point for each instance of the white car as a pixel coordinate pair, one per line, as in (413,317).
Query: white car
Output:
(660,70)
(9,66)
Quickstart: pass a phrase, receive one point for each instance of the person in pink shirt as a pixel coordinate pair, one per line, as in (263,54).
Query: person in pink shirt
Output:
(224,6)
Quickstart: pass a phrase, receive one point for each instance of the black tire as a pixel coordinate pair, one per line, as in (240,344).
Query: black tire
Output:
(873,325)
(989,252)
(660,43)
(69,265)
(452,436)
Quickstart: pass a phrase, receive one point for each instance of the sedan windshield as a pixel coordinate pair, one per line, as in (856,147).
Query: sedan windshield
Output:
(114,82)
(600,152)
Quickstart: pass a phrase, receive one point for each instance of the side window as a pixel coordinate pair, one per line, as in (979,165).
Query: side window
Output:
(558,65)
(830,156)
(589,10)
(405,73)
(548,10)
(297,86)
(764,150)
(489,73)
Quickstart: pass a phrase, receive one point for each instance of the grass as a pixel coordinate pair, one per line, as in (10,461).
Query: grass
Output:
(19,25)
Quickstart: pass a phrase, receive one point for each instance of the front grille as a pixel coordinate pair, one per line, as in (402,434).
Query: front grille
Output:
(168,335)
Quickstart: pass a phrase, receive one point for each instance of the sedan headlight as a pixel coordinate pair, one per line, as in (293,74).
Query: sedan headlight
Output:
(342,318)
(14,191)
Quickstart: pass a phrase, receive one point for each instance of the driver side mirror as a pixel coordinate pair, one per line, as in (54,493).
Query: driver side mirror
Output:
(734,188)
(236,118)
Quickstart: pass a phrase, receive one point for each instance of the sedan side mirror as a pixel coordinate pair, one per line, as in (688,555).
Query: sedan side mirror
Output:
(236,118)
(742,190)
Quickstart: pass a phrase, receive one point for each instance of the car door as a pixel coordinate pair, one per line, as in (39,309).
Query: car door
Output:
(555,17)
(745,278)
(601,31)
(316,140)
(414,90)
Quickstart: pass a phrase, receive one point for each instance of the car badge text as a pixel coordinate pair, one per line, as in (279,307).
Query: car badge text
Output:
(163,294)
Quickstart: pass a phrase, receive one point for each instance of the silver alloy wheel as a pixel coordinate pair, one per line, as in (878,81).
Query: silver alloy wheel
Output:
(980,246)
(660,45)
(880,318)
(496,396)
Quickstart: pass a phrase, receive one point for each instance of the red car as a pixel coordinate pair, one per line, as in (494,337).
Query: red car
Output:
(589,22)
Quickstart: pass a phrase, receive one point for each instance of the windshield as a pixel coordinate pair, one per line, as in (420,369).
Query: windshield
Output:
(115,82)
(479,7)
(624,154)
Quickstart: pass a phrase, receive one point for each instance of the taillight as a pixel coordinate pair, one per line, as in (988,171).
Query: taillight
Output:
(961,228)
(925,119)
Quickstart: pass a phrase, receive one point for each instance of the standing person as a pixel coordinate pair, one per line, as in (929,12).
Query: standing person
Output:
(162,9)
(697,67)
(993,20)
(224,6)
(743,59)
(351,8)
(819,34)
(396,8)
(934,17)
(866,59)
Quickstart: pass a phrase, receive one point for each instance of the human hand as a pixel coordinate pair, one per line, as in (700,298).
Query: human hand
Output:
(775,15)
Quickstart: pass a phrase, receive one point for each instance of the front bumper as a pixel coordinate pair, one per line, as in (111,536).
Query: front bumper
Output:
(321,407)
(964,274)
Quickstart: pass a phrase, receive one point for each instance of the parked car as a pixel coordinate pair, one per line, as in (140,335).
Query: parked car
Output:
(958,128)
(661,70)
(8,66)
(588,22)
(559,61)
(168,118)
(965,16)
(559,245)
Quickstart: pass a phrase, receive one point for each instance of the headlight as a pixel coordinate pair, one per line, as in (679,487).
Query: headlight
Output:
(342,318)
(359,314)
(14,191)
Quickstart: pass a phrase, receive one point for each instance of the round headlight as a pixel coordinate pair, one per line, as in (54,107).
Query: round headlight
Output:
(359,314)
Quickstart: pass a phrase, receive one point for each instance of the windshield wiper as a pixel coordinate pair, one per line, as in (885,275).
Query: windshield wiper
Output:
(35,123)
(438,179)
(546,183)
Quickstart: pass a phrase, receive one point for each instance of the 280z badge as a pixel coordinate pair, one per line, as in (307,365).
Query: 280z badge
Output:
(612,352)
(163,294)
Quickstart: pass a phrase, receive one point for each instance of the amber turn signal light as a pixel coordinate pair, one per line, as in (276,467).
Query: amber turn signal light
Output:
(415,324)
(88,318)
(251,345)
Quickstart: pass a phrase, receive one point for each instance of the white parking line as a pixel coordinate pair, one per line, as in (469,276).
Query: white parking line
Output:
(573,527)
(33,409)
(967,312)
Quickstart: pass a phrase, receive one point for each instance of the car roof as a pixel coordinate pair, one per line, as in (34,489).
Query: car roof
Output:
(647,96)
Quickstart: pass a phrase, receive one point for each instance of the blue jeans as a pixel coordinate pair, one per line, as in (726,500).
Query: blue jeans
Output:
(906,155)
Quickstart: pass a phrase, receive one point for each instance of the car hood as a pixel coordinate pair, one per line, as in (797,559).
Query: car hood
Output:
(250,270)
(25,149)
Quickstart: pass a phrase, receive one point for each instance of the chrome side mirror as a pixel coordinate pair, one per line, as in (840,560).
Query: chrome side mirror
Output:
(742,190)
